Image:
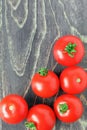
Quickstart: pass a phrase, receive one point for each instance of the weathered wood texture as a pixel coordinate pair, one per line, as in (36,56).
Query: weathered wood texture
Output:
(28,29)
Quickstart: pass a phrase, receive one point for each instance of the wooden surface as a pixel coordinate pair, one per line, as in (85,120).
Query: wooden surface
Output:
(28,29)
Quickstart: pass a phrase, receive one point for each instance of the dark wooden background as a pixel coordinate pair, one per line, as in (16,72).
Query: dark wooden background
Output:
(28,29)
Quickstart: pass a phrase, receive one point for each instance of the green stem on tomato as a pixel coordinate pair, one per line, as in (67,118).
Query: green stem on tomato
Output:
(30,125)
(63,108)
(70,49)
(43,71)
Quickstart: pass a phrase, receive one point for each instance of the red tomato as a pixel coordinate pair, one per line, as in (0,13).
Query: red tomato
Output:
(73,80)
(45,83)
(68,50)
(13,109)
(41,117)
(68,108)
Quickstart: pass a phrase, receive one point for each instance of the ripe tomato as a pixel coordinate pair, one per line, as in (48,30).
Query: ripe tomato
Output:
(45,83)
(68,108)
(40,117)
(13,109)
(73,80)
(68,50)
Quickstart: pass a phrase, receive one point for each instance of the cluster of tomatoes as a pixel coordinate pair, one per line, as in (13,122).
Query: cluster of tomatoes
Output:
(68,51)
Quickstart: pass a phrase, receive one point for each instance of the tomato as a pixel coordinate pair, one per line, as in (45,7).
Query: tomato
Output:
(13,109)
(40,117)
(73,80)
(68,50)
(45,83)
(68,108)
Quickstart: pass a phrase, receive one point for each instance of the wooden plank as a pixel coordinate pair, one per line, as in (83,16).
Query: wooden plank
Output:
(28,30)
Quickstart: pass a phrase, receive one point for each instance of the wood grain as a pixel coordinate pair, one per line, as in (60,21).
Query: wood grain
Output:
(28,30)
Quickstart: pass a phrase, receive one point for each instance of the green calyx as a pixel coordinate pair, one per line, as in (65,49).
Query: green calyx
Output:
(30,125)
(43,71)
(70,49)
(63,107)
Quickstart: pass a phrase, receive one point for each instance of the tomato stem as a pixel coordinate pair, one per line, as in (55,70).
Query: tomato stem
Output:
(63,107)
(70,49)
(43,71)
(78,80)
(30,125)
(11,107)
